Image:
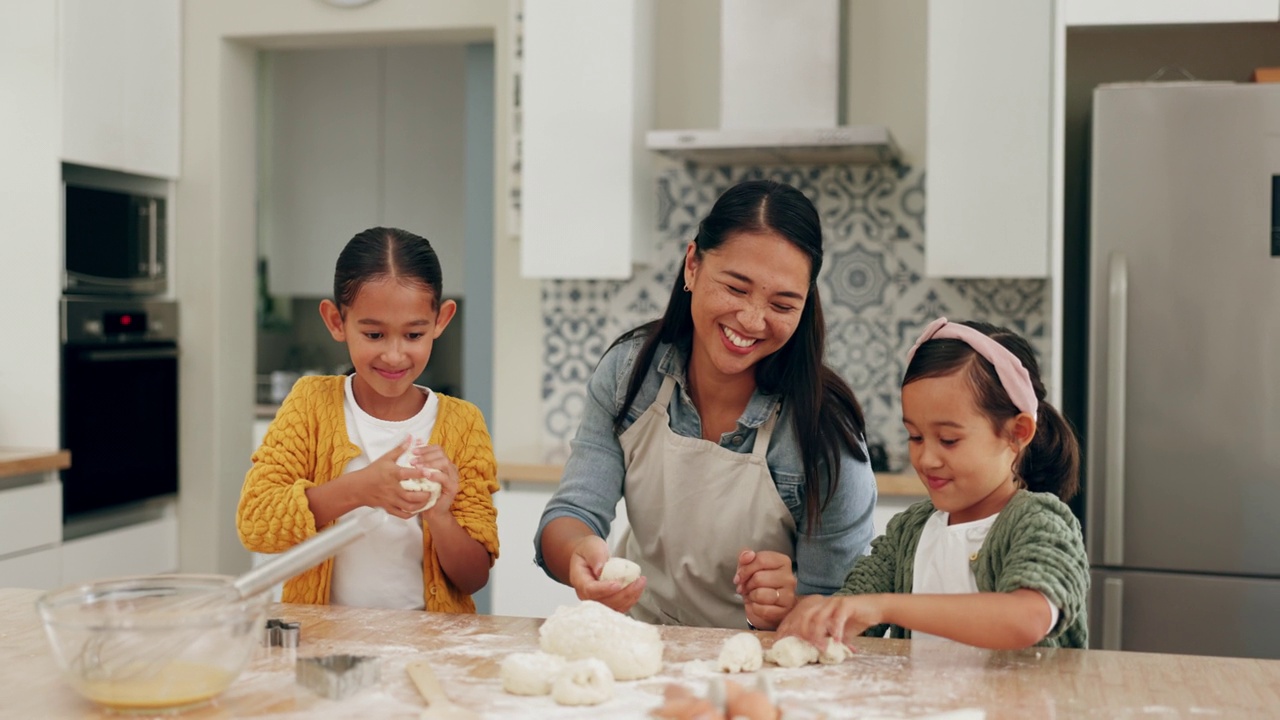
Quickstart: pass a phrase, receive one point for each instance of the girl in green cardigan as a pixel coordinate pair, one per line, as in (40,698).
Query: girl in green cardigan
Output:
(994,557)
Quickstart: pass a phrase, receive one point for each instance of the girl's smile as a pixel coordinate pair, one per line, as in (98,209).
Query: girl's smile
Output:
(964,463)
(389,329)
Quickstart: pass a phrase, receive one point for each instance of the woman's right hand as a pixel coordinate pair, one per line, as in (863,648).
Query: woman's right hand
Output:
(590,553)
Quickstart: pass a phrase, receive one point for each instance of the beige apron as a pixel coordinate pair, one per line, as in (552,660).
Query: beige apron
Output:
(693,506)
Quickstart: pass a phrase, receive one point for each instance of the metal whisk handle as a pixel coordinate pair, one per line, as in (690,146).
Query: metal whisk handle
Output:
(310,552)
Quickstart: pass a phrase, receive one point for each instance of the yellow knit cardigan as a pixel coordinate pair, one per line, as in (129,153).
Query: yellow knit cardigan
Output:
(307,445)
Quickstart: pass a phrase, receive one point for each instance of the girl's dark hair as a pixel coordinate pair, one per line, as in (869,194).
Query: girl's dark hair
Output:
(379,253)
(826,414)
(1051,463)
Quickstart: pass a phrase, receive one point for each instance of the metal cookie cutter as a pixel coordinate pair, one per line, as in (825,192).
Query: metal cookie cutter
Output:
(279,633)
(337,676)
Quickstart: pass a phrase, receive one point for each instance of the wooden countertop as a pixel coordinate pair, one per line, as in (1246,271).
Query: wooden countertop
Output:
(28,461)
(884,678)
(907,485)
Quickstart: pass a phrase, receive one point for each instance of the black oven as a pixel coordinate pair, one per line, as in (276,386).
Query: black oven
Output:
(119,401)
(115,242)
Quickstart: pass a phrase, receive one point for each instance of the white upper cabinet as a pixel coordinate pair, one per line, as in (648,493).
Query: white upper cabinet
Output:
(357,138)
(121,75)
(587,195)
(990,136)
(1168,12)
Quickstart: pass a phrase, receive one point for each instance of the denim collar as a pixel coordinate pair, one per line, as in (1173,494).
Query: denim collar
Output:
(674,361)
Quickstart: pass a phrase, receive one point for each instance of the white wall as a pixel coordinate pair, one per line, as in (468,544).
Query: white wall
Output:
(30,207)
(214,236)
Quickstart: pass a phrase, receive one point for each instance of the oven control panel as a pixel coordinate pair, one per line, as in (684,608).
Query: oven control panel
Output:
(96,321)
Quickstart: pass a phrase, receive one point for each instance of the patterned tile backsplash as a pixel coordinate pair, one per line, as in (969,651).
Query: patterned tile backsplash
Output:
(874,293)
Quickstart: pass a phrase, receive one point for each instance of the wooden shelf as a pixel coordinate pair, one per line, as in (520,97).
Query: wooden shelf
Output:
(27,461)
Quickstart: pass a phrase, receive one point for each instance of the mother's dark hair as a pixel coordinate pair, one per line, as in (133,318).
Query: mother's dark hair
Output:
(826,414)
(1051,463)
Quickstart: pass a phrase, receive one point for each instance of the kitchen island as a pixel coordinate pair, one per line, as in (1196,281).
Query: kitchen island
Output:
(885,678)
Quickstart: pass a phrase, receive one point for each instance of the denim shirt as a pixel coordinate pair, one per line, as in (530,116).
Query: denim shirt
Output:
(593,475)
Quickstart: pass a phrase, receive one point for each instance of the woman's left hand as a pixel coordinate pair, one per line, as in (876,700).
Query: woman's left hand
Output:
(433,457)
(767,586)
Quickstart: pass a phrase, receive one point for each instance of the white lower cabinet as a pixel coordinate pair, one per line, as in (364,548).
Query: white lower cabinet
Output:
(518,585)
(143,549)
(39,570)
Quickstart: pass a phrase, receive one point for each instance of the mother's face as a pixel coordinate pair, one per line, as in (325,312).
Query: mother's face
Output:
(747,298)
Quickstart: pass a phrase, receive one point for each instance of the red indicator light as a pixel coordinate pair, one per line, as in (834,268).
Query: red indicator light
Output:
(126,319)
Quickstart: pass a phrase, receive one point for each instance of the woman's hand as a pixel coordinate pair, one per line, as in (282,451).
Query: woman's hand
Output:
(767,585)
(590,553)
(818,617)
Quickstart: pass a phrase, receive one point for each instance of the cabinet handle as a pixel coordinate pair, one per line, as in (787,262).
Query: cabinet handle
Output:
(1112,613)
(1117,334)
(116,355)
(153,262)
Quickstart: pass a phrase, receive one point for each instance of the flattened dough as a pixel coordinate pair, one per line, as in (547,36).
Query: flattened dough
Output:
(583,682)
(530,673)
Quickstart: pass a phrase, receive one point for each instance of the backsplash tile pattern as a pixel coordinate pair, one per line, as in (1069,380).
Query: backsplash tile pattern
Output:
(875,296)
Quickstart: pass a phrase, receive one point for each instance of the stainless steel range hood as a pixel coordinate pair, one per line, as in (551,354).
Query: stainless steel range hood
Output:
(780,99)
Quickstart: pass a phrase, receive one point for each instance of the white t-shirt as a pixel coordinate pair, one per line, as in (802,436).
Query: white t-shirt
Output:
(943,557)
(384,568)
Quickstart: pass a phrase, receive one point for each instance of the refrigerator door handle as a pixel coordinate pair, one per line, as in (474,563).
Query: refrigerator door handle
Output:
(1117,333)
(1112,613)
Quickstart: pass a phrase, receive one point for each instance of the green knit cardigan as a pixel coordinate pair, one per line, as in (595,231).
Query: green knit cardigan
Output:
(1035,543)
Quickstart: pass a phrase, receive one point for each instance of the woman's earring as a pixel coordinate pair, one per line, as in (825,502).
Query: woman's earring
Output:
(686,288)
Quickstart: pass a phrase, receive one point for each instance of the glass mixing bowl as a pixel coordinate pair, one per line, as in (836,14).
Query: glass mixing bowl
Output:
(149,643)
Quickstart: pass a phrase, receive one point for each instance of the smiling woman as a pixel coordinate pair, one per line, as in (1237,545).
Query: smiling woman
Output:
(741,456)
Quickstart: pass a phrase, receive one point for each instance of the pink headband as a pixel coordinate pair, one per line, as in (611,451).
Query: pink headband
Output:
(1013,375)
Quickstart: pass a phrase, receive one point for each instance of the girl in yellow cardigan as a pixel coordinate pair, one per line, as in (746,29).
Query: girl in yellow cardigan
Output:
(335,442)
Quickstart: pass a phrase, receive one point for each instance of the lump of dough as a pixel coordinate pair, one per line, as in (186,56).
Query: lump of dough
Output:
(620,569)
(792,651)
(834,654)
(631,649)
(530,673)
(431,487)
(583,682)
(420,484)
(741,653)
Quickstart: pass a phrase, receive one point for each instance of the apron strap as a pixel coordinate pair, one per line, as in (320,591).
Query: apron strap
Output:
(765,433)
(664,393)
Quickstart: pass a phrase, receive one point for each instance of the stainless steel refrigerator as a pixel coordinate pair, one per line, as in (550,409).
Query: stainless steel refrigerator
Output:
(1183,431)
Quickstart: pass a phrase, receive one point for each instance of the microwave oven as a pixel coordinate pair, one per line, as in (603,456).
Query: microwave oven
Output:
(114,242)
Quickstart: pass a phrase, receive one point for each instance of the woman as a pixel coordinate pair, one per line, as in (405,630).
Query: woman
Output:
(741,455)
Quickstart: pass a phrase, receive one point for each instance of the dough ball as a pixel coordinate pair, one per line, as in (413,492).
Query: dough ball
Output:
(834,654)
(631,649)
(530,673)
(620,569)
(741,653)
(431,487)
(583,682)
(791,652)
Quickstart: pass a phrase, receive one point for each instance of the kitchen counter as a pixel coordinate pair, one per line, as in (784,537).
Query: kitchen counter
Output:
(28,461)
(884,677)
(890,484)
